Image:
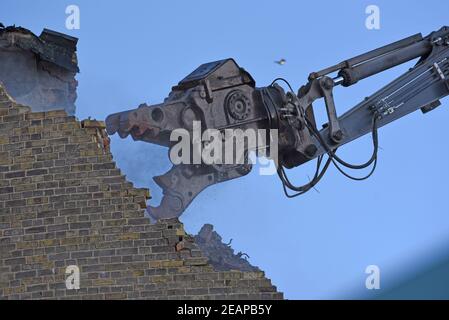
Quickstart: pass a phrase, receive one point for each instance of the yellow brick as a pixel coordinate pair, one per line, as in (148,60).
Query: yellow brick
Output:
(80,139)
(55,113)
(180,232)
(87,153)
(91,131)
(92,239)
(68,126)
(26,152)
(143,192)
(22,131)
(4,158)
(103,282)
(93,124)
(166,263)
(35,115)
(25,166)
(37,259)
(129,236)
(30,281)
(70,241)
(32,130)
(115,222)
(39,200)
(26,245)
(24,158)
(37,143)
(115,296)
(141,201)
(81,167)
(155,264)
(172,263)
(47,265)
(184,270)
(138,273)
(161,278)
(49,242)
(15,290)
(253,275)
(25,187)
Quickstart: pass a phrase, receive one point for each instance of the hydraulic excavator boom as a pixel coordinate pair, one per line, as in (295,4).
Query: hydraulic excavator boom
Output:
(222,96)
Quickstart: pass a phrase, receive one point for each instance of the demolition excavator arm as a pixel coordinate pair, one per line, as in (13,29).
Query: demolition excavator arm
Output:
(220,95)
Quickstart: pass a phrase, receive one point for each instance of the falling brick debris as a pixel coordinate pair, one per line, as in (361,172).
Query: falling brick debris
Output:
(221,256)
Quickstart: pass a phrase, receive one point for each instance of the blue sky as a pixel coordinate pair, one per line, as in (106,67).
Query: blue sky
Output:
(315,246)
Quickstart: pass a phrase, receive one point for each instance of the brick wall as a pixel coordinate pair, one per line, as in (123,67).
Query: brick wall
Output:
(64,202)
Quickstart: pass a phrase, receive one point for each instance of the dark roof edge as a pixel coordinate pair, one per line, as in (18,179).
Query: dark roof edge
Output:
(50,46)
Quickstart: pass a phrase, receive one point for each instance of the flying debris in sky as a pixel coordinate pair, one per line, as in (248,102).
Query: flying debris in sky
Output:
(281,62)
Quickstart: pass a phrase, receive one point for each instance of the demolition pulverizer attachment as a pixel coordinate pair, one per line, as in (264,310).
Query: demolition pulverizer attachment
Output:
(219,99)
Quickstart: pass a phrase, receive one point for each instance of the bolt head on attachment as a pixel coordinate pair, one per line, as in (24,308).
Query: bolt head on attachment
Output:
(337,136)
(311,150)
(327,83)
